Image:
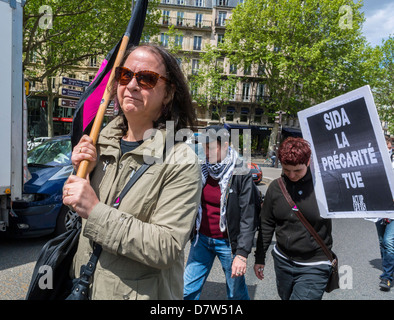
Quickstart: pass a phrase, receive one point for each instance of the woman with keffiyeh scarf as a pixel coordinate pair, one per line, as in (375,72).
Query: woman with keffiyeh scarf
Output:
(226,221)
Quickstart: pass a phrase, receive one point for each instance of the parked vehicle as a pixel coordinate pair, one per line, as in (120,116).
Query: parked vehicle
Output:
(256,172)
(41,210)
(34,142)
(13,109)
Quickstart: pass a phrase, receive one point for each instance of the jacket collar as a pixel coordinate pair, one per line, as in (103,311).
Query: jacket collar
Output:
(304,179)
(110,136)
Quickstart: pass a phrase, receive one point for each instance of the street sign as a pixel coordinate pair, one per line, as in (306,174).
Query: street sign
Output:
(62,119)
(351,162)
(74,82)
(27,88)
(71,93)
(68,103)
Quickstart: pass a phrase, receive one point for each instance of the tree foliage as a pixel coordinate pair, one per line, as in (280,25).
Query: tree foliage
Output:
(211,85)
(310,49)
(60,34)
(382,80)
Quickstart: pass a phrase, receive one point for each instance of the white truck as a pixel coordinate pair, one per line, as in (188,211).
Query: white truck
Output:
(13,110)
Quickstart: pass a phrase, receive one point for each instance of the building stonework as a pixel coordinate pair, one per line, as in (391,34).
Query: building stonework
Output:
(197,23)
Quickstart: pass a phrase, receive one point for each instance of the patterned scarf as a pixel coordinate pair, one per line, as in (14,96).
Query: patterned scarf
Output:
(222,171)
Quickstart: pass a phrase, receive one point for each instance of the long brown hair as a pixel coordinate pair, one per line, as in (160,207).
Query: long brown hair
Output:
(180,108)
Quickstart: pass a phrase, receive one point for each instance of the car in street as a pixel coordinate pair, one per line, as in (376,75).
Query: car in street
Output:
(256,172)
(41,210)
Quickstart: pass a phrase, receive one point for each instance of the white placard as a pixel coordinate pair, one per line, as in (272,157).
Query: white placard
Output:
(351,165)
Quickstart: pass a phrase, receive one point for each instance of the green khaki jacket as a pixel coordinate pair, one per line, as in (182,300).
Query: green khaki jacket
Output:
(144,238)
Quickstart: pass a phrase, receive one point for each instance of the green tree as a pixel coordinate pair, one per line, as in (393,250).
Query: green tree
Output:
(175,37)
(310,49)
(382,80)
(60,34)
(212,86)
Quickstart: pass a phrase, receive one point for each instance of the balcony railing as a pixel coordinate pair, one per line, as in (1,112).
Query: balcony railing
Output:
(220,22)
(247,98)
(186,23)
(251,98)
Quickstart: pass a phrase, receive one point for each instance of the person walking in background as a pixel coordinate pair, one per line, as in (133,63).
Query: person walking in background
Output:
(385,229)
(273,158)
(226,222)
(302,268)
(391,153)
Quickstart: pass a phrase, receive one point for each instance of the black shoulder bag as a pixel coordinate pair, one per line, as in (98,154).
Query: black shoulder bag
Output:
(50,279)
(333,281)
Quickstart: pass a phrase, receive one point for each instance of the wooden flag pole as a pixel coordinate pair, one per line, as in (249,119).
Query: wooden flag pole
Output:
(98,121)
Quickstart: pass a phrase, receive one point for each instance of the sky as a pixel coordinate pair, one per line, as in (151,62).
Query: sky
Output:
(379,20)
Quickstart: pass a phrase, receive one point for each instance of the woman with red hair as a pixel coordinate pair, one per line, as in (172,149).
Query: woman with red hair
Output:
(302,269)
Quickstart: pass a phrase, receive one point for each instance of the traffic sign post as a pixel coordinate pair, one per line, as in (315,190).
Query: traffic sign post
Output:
(75,82)
(71,93)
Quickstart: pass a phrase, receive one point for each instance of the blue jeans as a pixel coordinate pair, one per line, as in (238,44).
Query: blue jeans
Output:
(273,159)
(386,243)
(199,264)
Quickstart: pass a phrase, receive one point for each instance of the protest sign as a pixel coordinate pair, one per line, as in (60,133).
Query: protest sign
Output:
(351,164)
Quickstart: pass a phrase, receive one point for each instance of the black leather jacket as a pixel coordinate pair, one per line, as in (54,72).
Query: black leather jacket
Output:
(242,212)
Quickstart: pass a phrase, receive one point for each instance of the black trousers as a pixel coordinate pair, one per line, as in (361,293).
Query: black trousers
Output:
(300,282)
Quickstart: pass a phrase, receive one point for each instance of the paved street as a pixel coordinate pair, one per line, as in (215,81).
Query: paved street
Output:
(17,259)
(357,248)
(355,243)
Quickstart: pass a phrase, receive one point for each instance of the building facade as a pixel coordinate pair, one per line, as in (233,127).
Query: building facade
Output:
(190,25)
(66,97)
(199,23)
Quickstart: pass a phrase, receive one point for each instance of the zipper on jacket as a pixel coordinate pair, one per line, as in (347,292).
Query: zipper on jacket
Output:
(109,174)
(228,231)
(106,162)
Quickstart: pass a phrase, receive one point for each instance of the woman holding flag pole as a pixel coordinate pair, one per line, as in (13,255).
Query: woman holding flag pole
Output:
(143,238)
(137,231)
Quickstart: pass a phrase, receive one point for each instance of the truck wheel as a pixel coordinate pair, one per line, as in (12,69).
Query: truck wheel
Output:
(66,220)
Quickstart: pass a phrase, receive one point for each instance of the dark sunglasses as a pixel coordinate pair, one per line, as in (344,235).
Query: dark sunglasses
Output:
(146,79)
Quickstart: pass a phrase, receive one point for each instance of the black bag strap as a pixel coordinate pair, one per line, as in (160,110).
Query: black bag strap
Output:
(137,174)
(304,221)
(88,269)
